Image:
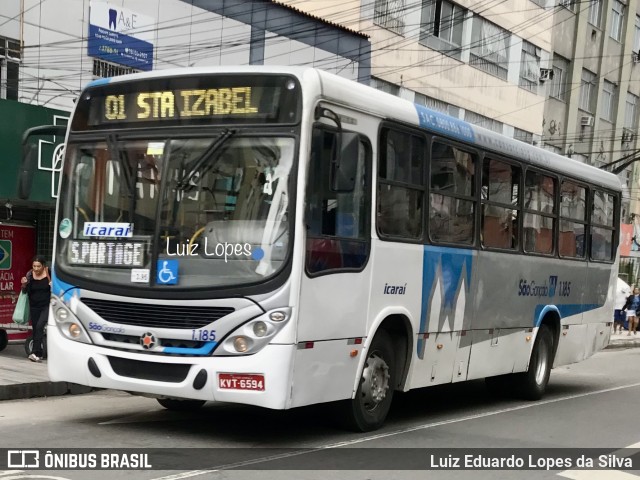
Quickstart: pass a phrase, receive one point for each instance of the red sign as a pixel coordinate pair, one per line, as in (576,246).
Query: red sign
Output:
(17,248)
(626,239)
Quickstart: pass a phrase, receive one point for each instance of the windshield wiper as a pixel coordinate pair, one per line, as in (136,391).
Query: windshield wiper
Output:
(199,162)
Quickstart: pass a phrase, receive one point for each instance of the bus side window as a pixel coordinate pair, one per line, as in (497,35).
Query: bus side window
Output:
(500,183)
(573,211)
(539,217)
(337,222)
(400,184)
(452,197)
(602,226)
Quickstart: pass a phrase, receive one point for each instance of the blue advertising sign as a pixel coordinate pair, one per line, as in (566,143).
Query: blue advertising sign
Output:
(121,36)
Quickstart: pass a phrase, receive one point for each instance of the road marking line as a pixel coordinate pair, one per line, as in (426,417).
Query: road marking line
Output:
(598,475)
(608,474)
(401,431)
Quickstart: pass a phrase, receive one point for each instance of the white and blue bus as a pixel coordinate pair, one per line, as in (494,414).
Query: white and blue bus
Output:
(283,237)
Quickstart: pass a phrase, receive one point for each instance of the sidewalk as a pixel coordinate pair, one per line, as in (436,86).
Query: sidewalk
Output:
(20,378)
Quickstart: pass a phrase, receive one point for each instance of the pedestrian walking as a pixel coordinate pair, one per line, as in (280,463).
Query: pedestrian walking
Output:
(37,285)
(632,305)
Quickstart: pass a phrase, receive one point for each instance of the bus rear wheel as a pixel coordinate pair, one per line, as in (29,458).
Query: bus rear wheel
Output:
(532,384)
(369,409)
(176,405)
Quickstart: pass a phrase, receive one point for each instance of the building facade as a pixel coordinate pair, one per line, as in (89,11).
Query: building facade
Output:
(50,50)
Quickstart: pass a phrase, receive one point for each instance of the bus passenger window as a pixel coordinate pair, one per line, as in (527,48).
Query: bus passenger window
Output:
(400,184)
(539,217)
(452,201)
(500,183)
(602,226)
(573,199)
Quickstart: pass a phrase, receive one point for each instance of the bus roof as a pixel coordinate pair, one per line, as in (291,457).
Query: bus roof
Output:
(384,105)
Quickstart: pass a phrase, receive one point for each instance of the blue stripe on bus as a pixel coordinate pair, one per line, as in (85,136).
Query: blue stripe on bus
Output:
(100,81)
(206,349)
(452,267)
(562,310)
(450,126)
(63,289)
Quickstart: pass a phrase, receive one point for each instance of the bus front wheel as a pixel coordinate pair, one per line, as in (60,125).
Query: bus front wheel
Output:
(180,405)
(532,384)
(368,410)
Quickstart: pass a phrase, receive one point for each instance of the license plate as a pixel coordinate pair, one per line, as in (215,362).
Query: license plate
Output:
(237,381)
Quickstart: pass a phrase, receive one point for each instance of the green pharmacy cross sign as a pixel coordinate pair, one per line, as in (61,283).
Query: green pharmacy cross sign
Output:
(5,254)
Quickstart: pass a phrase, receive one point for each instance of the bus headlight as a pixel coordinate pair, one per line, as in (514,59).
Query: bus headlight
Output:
(67,322)
(61,314)
(241,344)
(254,335)
(74,330)
(260,329)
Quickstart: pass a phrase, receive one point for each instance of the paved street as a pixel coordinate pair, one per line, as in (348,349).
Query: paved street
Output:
(589,405)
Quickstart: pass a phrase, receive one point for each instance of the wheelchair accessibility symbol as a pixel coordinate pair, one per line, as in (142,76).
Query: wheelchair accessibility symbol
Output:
(167,272)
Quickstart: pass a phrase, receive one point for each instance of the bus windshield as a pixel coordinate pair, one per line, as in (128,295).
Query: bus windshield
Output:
(181,212)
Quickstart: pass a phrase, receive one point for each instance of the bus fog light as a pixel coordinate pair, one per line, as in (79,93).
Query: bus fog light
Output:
(277,316)
(241,344)
(62,314)
(260,329)
(74,330)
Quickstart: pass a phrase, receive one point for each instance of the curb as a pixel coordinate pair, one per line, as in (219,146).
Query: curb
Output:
(41,389)
(623,344)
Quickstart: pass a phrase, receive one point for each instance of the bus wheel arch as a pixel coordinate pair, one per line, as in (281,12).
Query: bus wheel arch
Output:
(384,370)
(532,384)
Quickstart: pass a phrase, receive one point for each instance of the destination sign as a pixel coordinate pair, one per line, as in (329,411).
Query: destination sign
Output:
(179,103)
(190,100)
(111,254)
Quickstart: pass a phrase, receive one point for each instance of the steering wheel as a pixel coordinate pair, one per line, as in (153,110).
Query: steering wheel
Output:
(195,236)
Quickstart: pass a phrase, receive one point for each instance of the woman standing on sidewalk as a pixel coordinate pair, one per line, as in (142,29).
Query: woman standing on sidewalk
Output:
(632,305)
(37,285)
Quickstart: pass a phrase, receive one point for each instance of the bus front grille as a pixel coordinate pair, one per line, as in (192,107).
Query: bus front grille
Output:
(156,316)
(158,372)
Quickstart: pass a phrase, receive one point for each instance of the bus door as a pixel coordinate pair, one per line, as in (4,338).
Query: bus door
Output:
(334,294)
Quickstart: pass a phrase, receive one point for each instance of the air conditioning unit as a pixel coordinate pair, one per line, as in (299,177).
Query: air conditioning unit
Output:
(586,121)
(546,74)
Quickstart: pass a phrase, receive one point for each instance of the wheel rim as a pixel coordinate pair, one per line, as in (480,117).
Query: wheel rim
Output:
(375,382)
(543,360)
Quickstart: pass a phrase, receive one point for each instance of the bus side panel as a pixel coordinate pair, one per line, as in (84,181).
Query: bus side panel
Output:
(499,351)
(439,355)
(325,372)
(571,345)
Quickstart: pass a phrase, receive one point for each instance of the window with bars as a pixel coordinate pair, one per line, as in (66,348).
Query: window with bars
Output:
(557,85)
(607,105)
(437,105)
(587,90)
(485,122)
(489,47)
(385,86)
(523,135)
(104,69)
(10,57)
(530,66)
(617,17)
(441,26)
(390,14)
(569,4)
(636,35)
